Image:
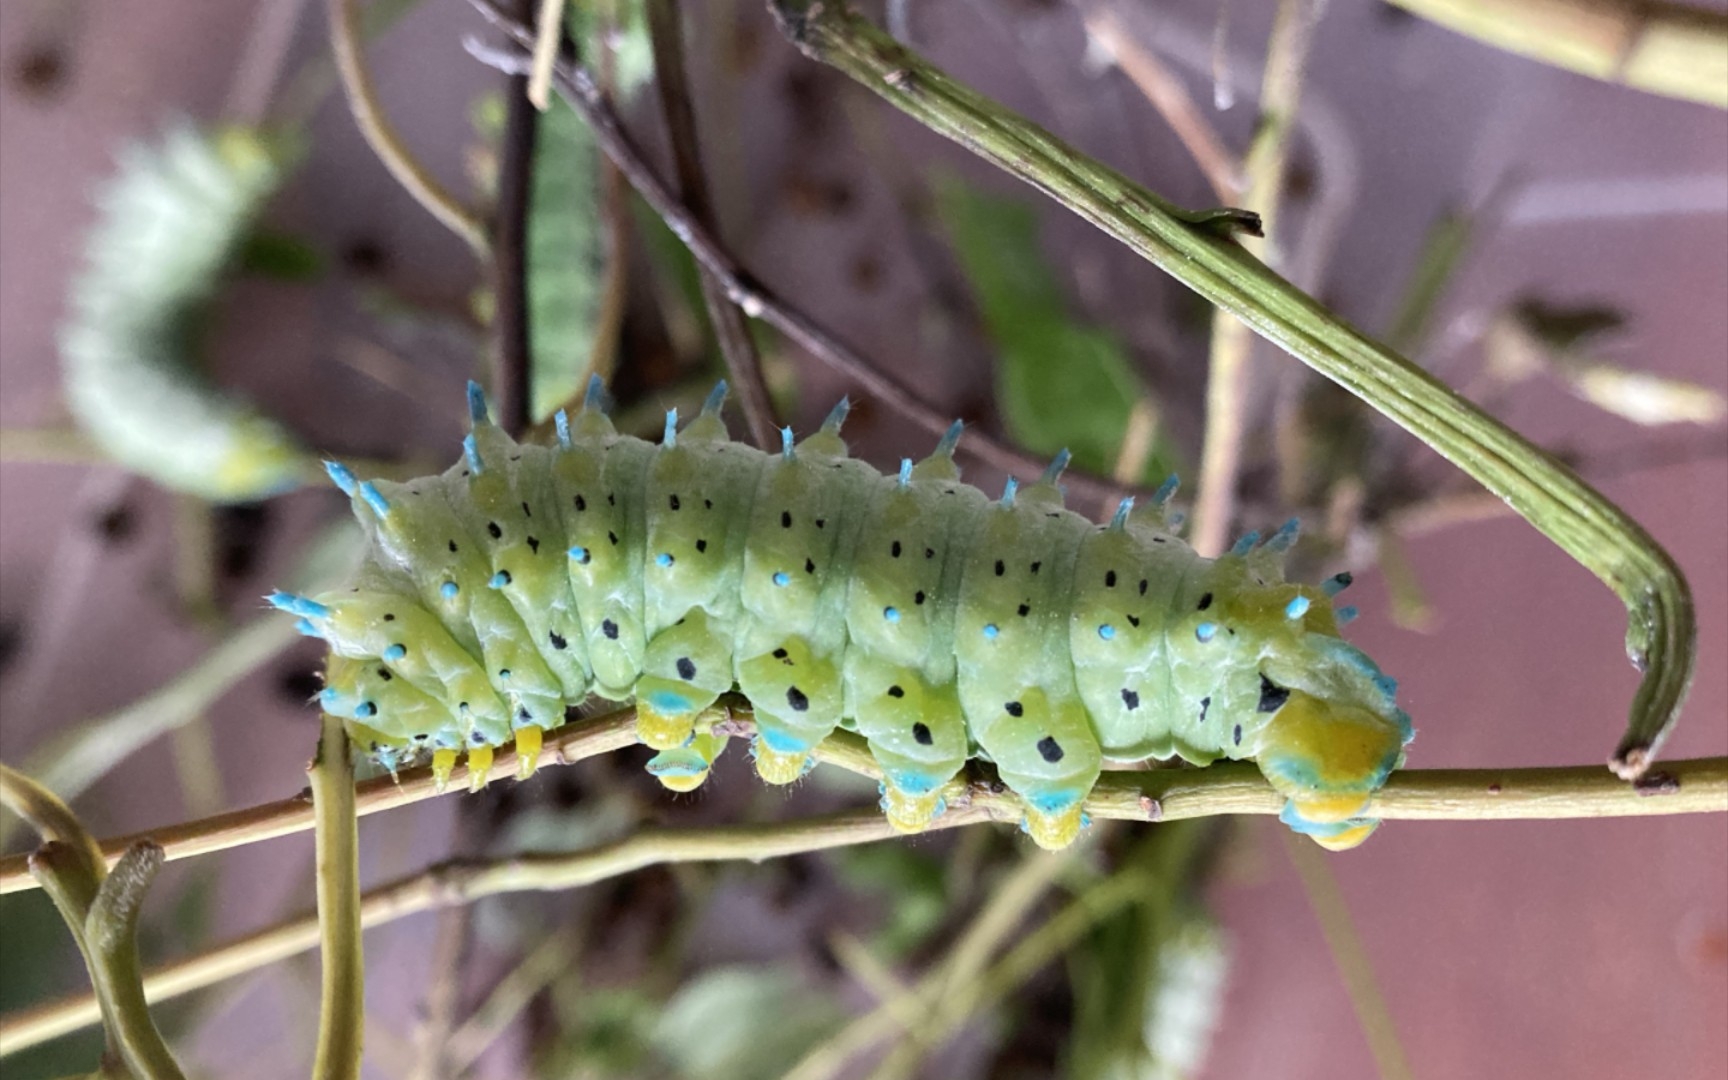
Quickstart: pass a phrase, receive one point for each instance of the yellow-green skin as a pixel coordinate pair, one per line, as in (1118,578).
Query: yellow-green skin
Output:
(937,623)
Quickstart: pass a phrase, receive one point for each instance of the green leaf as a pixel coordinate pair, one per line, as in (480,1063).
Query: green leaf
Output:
(1060,382)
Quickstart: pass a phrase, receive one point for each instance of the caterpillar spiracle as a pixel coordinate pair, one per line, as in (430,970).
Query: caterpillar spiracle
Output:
(937,623)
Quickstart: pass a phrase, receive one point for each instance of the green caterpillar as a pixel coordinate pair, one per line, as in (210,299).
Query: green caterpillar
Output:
(937,623)
(170,224)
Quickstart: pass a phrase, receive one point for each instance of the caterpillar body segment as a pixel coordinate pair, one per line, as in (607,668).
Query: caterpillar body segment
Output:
(938,623)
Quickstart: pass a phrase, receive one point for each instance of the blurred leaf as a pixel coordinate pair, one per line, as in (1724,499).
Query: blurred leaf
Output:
(1060,383)
(742,1023)
(171,222)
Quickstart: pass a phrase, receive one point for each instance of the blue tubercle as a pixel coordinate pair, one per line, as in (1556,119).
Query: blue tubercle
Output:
(663,559)
(395,652)
(905,472)
(1166,490)
(365,710)
(670,438)
(892,614)
(448,590)
(1107,632)
(950,439)
(476,404)
(837,415)
(579,553)
(1008,491)
(471,451)
(716,399)
(1297,607)
(1206,631)
(375,499)
(561,421)
(782,579)
(991,631)
(595,398)
(786,442)
(341,477)
(1285,538)
(1057,464)
(297,605)
(498,580)
(1246,544)
(1123,509)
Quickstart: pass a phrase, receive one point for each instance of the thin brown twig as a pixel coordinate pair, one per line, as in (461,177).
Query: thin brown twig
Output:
(757,301)
(666,30)
(514,359)
(345,37)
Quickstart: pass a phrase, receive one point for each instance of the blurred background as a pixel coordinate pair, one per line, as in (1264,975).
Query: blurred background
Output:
(1554,246)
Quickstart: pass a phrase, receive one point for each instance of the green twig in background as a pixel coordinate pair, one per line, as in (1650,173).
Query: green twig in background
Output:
(1672,49)
(342,1003)
(1661,631)
(101,909)
(345,40)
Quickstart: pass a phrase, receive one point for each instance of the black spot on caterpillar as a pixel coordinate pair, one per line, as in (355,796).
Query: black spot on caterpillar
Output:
(1048,700)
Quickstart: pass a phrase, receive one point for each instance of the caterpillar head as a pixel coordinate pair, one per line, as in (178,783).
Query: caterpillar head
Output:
(1326,729)
(1333,735)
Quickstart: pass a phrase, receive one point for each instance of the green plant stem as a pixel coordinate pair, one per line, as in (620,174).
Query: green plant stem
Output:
(101,911)
(1676,50)
(342,1000)
(1695,786)
(1661,631)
